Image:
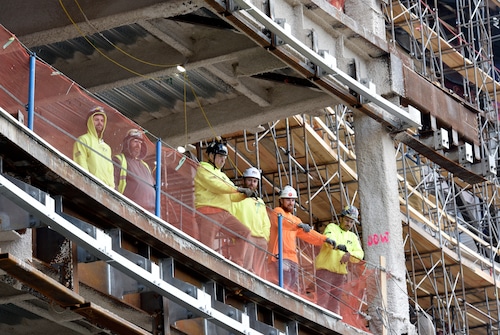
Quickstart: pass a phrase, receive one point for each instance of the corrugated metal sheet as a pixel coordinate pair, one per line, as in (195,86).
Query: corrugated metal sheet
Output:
(125,35)
(150,95)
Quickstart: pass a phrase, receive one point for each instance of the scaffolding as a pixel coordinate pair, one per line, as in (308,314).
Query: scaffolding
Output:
(310,154)
(315,154)
(451,226)
(451,44)
(450,241)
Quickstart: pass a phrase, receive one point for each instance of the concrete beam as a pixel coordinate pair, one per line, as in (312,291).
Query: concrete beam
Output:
(232,115)
(88,21)
(196,64)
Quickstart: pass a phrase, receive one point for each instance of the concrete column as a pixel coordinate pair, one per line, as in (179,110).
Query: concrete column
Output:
(19,245)
(381,219)
(368,14)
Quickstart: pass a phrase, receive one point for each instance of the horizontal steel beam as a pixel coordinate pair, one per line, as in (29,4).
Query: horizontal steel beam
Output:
(65,297)
(101,247)
(329,68)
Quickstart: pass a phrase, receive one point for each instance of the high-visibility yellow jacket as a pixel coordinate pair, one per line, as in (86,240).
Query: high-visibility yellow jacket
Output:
(329,259)
(93,154)
(213,188)
(252,213)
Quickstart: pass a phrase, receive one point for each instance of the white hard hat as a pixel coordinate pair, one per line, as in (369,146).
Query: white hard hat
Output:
(251,172)
(351,212)
(288,192)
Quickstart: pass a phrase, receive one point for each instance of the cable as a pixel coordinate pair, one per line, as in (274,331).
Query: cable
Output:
(185,110)
(186,79)
(97,49)
(117,47)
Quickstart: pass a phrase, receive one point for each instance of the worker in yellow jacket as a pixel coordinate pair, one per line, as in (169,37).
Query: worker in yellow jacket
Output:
(214,194)
(91,152)
(331,264)
(252,213)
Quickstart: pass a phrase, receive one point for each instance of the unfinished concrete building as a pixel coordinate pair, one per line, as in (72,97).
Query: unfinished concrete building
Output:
(387,105)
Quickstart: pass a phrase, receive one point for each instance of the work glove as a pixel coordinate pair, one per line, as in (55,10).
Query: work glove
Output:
(342,247)
(331,242)
(246,191)
(307,228)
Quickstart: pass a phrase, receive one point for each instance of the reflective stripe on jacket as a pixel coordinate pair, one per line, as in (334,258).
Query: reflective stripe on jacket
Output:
(123,171)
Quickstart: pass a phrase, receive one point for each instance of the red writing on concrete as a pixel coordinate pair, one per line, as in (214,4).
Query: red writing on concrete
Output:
(378,238)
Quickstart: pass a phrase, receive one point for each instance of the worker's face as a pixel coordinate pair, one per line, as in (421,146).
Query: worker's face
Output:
(99,123)
(135,145)
(287,204)
(346,223)
(251,183)
(219,160)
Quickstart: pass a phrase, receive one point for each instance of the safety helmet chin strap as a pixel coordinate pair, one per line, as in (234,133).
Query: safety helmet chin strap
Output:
(212,161)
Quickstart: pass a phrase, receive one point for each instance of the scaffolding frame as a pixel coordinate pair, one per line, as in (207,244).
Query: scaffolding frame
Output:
(334,178)
(461,217)
(438,207)
(439,283)
(438,211)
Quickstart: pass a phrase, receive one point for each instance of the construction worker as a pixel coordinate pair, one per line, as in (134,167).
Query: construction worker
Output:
(331,264)
(91,152)
(133,176)
(292,227)
(252,213)
(214,194)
